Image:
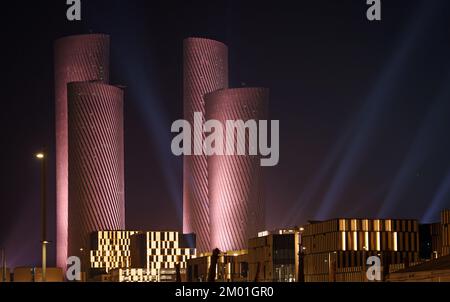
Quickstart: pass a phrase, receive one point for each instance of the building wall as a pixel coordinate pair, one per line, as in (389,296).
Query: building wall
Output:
(198,269)
(233,266)
(436,240)
(426,276)
(348,274)
(164,251)
(260,259)
(141,256)
(29,274)
(237,211)
(110,250)
(96,159)
(131,275)
(273,258)
(205,71)
(445,220)
(7,273)
(138,249)
(337,248)
(431,240)
(77,58)
(437,237)
(436,270)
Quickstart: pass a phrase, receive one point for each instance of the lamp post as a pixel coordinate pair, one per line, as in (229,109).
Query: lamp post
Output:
(42,158)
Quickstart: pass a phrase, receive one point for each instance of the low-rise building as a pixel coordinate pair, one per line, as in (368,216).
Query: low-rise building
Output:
(138,256)
(110,250)
(159,253)
(337,250)
(273,256)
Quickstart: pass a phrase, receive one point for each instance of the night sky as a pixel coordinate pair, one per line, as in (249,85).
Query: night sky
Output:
(363,106)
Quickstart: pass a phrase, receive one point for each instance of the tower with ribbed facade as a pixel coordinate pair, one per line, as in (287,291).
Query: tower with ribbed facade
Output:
(205,71)
(96,162)
(235,182)
(77,58)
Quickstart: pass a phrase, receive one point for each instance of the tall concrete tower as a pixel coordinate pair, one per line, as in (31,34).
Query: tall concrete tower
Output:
(96,162)
(235,183)
(205,71)
(77,58)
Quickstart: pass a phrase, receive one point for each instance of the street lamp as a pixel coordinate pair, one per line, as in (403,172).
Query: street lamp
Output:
(42,158)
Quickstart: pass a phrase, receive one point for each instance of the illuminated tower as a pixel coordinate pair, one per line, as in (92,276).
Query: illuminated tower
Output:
(96,162)
(236,182)
(205,71)
(77,58)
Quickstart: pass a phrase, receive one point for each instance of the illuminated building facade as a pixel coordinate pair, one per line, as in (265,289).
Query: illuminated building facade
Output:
(128,256)
(160,252)
(236,182)
(110,250)
(77,58)
(96,159)
(130,275)
(205,71)
(337,250)
(273,256)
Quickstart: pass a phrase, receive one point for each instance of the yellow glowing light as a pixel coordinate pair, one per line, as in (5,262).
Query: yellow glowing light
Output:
(389,225)
(366,241)
(377,225)
(344,241)
(378,241)
(395,242)
(40,156)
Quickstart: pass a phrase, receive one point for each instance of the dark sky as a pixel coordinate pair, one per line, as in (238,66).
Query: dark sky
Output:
(363,106)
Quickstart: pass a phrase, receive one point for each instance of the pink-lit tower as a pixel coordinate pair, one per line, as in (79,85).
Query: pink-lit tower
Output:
(236,182)
(77,58)
(205,71)
(96,162)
